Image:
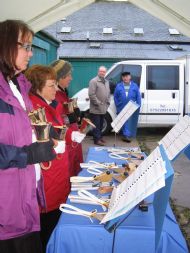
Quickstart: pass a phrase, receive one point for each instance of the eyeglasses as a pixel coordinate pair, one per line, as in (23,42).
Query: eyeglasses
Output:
(52,86)
(27,47)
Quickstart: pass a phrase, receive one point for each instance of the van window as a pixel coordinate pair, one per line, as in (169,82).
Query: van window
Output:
(162,77)
(115,75)
(135,71)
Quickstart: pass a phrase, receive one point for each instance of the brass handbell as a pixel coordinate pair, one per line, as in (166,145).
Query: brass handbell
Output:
(42,131)
(34,117)
(86,125)
(37,116)
(42,114)
(41,128)
(61,132)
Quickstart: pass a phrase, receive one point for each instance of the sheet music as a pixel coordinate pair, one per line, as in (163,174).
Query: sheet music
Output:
(146,179)
(124,115)
(177,138)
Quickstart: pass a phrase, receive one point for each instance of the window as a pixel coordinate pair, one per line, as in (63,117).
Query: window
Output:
(66,29)
(114,77)
(138,31)
(173,31)
(135,71)
(95,45)
(163,77)
(107,30)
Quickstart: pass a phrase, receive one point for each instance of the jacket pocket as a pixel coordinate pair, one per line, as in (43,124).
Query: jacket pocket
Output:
(12,217)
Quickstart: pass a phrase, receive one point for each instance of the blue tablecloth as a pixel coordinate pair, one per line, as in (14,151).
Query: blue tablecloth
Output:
(76,234)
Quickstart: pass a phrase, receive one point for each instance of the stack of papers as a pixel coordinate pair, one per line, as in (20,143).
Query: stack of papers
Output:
(177,138)
(148,178)
(124,115)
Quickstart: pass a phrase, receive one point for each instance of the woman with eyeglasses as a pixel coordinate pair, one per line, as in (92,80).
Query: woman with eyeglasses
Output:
(20,187)
(56,177)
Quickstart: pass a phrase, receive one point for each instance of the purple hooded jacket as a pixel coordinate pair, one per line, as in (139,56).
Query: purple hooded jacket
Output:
(19,210)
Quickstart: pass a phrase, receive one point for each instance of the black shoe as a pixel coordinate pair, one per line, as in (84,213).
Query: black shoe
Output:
(99,143)
(126,139)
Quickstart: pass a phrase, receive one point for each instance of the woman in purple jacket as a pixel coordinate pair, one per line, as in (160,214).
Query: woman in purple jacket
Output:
(20,185)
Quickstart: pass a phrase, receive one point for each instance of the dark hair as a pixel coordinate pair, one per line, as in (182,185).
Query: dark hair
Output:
(125,74)
(38,75)
(9,31)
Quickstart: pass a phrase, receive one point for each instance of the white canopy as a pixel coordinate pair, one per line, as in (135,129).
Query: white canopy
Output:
(42,13)
(175,13)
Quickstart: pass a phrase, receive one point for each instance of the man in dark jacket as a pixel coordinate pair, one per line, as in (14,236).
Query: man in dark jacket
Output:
(99,94)
(121,99)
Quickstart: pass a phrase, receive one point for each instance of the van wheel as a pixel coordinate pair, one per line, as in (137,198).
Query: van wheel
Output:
(107,124)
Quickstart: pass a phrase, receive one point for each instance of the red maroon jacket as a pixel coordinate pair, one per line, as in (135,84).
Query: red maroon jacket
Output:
(56,179)
(75,149)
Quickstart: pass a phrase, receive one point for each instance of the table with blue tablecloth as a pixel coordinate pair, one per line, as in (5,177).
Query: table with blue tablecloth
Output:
(77,234)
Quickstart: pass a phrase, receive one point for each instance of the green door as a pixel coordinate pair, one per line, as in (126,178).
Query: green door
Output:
(44,50)
(39,56)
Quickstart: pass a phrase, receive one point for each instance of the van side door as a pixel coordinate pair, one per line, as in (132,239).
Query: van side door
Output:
(165,93)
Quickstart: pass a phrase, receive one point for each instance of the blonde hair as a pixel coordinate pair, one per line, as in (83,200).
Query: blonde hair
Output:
(62,68)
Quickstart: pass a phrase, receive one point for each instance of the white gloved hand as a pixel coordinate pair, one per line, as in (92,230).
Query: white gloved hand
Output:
(77,136)
(60,148)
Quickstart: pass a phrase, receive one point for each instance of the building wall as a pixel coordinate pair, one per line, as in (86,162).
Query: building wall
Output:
(84,70)
(44,50)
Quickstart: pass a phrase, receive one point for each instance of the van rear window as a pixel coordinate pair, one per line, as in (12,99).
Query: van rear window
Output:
(162,77)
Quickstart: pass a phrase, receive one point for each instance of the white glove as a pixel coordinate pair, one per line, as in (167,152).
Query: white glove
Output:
(60,148)
(77,136)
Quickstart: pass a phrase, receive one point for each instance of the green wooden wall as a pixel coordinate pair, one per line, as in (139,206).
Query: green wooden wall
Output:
(44,49)
(84,70)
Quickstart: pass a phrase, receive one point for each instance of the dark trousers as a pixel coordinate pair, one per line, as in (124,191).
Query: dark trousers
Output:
(29,243)
(48,222)
(97,120)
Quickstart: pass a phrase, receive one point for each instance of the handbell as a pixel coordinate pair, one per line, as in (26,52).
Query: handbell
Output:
(33,118)
(86,125)
(42,131)
(61,132)
(37,116)
(74,102)
(42,114)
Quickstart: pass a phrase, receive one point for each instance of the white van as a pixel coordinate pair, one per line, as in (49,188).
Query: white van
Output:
(164,87)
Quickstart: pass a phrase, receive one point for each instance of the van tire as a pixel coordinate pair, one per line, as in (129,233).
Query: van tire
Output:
(107,124)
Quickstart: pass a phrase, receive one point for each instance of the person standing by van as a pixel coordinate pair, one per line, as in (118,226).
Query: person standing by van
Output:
(99,94)
(121,99)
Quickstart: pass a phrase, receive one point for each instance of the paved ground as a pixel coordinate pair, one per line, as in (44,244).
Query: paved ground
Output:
(180,200)
(148,139)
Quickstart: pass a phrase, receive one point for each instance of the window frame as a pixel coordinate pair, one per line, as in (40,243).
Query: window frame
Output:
(147,77)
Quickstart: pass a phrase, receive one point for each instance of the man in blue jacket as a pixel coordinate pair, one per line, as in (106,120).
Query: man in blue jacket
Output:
(121,99)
